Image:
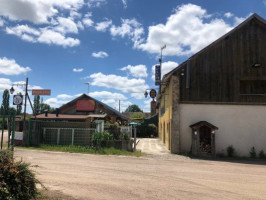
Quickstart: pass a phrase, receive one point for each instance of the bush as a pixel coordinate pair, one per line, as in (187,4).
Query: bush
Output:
(261,154)
(252,152)
(17,181)
(107,136)
(230,151)
(152,129)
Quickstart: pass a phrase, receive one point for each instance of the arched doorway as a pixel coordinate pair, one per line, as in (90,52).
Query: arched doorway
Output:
(203,139)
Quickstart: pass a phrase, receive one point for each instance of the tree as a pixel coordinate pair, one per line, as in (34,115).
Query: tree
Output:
(45,107)
(5,103)
(19,107)
(138,115)
(36,105)
(133,108)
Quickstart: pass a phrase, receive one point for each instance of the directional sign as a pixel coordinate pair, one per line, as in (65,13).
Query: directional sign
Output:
(41,92)
(157,75)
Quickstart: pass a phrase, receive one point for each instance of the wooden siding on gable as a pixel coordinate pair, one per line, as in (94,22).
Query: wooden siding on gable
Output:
(221,72)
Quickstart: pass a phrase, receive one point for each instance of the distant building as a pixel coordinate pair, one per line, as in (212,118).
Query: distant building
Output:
(87,109)
(217,97)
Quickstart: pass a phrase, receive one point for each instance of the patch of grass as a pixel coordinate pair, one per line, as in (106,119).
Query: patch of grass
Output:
(85,150)
(45,194)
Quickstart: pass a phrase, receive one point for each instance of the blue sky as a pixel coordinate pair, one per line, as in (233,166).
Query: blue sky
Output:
(112,44)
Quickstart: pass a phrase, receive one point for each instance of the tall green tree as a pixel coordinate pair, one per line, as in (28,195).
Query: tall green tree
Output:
(36,105)
(133,108)
(45,107)
(5,103)
(19,107)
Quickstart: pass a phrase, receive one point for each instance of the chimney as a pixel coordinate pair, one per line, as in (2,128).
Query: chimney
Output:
(46,113)
(57,112)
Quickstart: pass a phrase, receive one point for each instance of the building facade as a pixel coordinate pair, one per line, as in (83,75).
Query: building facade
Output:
(217,97)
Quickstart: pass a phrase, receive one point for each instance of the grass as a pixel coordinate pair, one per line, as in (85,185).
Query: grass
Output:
(45,194)
(85,150)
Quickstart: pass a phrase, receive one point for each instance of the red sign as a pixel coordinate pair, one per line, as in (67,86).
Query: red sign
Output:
(41,92)
(85,105)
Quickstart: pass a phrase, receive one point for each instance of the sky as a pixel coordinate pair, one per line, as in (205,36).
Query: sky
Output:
(111,44)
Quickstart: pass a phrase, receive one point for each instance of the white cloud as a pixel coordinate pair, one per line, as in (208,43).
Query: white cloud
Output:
(55,103)
(124,3)
(5,84)
(37,11)
(136,71)
(53,37)
(64,96)
(87,21)
(147,105)
(186,31)
(114,103)
(96,3)
(102,26)
(44,35)
(264,2)
(19,30)
(106,94)
(124,84)
(100,54)
(77,69)
(10,67)
(228,15)
(130,28)
(2,22)
(166,67)
(66,25)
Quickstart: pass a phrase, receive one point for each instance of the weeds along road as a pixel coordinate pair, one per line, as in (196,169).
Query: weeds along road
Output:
(154,177)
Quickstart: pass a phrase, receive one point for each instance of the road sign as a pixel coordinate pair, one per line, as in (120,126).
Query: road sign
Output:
(41,92)
(17,99)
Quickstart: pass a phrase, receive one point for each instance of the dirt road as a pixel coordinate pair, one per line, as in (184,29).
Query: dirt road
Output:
(156,177)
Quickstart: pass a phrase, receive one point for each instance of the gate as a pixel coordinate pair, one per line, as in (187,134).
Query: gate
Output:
(7,131)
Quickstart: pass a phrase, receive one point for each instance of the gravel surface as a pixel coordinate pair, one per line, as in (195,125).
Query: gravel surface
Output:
(167,176)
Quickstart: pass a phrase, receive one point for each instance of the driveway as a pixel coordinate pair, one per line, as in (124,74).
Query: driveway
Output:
(92,177)
(152,146)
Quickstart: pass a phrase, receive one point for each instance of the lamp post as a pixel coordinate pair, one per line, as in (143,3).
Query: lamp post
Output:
(12,90)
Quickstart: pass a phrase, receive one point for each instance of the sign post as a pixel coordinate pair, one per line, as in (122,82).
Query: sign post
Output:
(157,74)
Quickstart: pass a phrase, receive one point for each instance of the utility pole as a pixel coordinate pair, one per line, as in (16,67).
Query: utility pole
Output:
(119,105)
(24,117)
(87,83)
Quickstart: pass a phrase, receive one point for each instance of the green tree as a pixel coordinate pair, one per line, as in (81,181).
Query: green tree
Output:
(44,107)
(133,108)
(5,103)
(19,107)
(12,111)
(139,115)
(36,105)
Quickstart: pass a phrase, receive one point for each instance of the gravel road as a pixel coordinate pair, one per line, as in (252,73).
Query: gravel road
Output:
(168,177)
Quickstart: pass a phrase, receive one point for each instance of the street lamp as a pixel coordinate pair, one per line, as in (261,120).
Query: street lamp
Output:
(12,90)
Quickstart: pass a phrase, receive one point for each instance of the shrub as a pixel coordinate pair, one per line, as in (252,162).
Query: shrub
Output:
(252,152)
(230,151)
(107,136)
(261,154)
(152,130)
(17,181)
(125,136)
